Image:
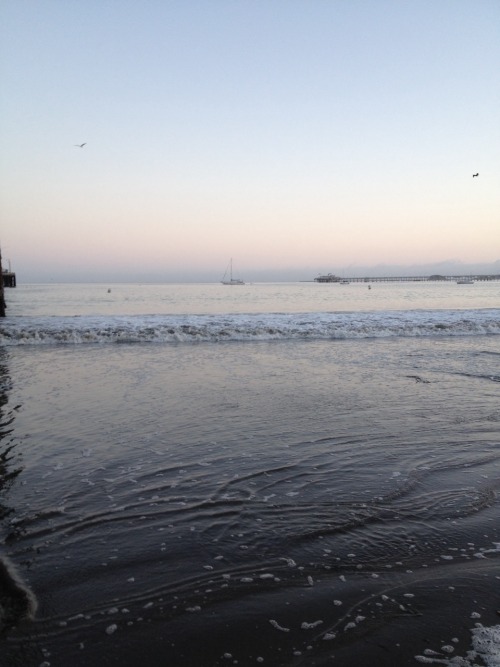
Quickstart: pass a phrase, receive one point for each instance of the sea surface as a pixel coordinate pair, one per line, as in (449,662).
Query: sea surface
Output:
(284,474)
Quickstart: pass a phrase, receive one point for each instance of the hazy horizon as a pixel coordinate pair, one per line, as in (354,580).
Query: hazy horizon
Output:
(296,137)
(262,275)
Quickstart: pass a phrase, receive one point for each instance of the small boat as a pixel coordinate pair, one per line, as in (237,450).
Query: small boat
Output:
(344,282)
(465,281)
(230,281)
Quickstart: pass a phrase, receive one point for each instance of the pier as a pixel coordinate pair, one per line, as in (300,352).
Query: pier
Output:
(331,278)
(2,299)
(8,280)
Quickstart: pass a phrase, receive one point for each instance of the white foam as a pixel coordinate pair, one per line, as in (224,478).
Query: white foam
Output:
(310,626)
(243,327)
(485,646)
(276,625)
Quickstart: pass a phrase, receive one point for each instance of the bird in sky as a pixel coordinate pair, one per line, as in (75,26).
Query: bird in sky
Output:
(80,145)
(474,175)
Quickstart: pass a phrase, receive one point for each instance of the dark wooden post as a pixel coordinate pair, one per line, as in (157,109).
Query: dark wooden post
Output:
(2,300)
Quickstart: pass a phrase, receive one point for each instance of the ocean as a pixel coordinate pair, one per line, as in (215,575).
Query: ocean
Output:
(284,474)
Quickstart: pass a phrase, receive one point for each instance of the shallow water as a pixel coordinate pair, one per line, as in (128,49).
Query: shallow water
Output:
(212,298)
(286,501)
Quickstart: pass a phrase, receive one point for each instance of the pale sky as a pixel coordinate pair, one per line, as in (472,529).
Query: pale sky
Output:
(296,136)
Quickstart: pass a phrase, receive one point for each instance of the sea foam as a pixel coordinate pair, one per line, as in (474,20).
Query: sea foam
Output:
(247,327)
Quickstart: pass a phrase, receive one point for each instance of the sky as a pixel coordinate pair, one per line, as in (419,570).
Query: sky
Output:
(296,136)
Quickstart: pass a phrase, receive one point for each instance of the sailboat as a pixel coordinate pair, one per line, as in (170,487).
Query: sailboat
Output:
(231,281)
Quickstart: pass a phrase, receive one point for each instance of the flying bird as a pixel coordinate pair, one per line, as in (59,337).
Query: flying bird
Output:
(80,145)
(474,175)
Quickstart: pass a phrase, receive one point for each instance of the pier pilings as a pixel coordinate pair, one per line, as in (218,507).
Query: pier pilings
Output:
(7,279)
(2,300)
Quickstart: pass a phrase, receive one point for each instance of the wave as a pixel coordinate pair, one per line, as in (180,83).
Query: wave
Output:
(245,327)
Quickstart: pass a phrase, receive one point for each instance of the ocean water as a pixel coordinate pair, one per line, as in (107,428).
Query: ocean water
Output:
(277,474)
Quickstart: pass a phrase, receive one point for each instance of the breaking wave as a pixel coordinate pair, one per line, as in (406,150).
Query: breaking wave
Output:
(241,327)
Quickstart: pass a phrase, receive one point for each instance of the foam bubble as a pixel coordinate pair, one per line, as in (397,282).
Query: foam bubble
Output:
(485,646)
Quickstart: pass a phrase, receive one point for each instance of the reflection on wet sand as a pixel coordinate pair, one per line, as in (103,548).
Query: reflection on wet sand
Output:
(17,602)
